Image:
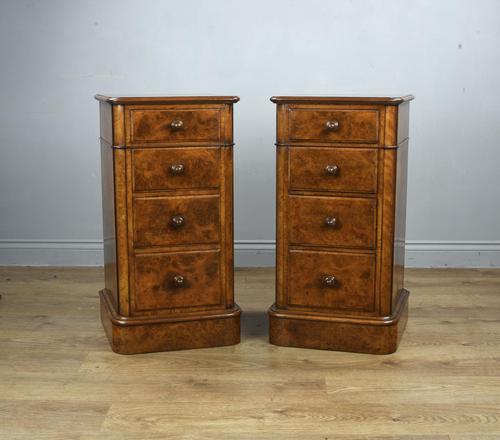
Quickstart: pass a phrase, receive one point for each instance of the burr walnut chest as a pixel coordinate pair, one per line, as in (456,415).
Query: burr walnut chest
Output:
(167,192)
(341,200)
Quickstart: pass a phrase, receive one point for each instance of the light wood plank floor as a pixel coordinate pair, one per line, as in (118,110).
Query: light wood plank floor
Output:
(59,380)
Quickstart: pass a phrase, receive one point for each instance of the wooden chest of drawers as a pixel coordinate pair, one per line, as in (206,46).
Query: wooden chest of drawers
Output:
(341,202)
(167,181)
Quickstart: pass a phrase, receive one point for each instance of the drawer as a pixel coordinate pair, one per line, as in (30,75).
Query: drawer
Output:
(329,280)
(330,125)
(174,125)
(175,168)
(335,169)
(332,221)
(176,220)
(177,280)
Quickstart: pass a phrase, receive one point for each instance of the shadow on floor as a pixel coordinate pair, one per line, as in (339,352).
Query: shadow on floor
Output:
(254,324)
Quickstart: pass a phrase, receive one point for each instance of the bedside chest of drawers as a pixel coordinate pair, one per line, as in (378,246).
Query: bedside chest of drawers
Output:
(167,189)
(341,201)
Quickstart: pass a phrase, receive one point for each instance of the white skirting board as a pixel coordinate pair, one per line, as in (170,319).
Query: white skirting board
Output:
(248,253)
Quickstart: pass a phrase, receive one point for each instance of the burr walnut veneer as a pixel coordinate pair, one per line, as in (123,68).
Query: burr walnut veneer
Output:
(167,182)
(341,201)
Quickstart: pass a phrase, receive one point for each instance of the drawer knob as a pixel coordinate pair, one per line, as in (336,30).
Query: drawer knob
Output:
(177,169)
(179,280)
(332,170)
(331,222)
(332,125)
(176,125)
(329,281)
(177,221)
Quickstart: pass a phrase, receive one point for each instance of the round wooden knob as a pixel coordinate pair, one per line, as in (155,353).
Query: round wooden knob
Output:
(329,281)
(177,169)
(176,125)
(331,222)
(332,170)
(177,221)
(332,125)
(179,280)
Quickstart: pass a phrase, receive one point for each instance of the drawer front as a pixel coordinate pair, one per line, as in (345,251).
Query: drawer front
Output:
(336,169)
(333,125)
(332,221)
(175,168)
(329,280)
(174,125)
(177,220)
(177,280)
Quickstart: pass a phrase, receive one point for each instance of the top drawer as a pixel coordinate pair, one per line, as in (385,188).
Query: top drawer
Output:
(332,125)
(163,125)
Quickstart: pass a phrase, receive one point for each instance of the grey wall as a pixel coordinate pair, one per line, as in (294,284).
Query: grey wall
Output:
(55,55)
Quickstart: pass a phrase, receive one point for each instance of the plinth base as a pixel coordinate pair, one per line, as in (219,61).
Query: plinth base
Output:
(361,335)
(132,335)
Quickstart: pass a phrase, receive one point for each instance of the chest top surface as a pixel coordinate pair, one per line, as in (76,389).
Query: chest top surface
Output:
(385,100)
(173,99)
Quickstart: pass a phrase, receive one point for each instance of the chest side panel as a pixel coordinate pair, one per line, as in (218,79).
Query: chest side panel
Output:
(108,201)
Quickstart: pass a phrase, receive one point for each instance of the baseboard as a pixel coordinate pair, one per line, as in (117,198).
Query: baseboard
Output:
(51,253)
(453,254)
(253,253)
(248,253)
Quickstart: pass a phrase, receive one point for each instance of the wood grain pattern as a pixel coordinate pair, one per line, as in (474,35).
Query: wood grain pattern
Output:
(136,336)
(354,126)
(387,203)
(375,336)
(353,289)
(341,189)
(153,217)
(59,380)
(168,190)
(120,215)
(226,212)
(356,169)
(156,125)
(354,227)
(155,287)
(282,179)
(158,169)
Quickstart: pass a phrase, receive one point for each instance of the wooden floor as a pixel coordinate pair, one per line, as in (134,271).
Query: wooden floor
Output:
(59,380)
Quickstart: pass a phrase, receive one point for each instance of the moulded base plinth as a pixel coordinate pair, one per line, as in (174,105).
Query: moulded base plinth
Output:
(361,335)
(132,335)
